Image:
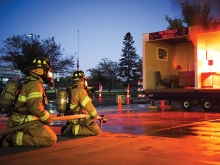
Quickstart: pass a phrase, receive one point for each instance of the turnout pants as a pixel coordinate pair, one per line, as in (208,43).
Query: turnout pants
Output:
(38,135)
(85,130)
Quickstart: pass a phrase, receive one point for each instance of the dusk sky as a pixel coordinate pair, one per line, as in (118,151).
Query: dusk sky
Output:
(102,24)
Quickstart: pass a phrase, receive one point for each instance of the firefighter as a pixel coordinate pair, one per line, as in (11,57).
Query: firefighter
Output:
(80,103)
(30,106)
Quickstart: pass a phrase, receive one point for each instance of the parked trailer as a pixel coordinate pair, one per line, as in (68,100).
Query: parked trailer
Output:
(207,98)
(182,65)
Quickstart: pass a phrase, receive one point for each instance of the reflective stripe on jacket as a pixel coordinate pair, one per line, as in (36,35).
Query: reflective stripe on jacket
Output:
(30,101)
(80,100)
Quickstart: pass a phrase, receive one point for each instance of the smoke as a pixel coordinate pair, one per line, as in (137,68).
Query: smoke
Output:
(214,4)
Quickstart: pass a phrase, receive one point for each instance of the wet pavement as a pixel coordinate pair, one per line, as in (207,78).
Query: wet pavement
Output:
(133,134)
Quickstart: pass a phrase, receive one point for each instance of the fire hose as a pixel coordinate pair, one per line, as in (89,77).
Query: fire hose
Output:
(101,119)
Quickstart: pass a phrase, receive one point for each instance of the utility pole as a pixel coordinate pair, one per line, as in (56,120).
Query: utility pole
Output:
(78,52)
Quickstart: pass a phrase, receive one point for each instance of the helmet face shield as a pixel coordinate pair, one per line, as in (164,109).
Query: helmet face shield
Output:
(50,73)
(48,77)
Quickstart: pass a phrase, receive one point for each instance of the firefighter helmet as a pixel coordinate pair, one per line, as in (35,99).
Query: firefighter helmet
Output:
(42,62)
(39,62)
(78,75)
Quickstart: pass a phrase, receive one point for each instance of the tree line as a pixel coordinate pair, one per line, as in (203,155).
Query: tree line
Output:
(126,71)
(19,51)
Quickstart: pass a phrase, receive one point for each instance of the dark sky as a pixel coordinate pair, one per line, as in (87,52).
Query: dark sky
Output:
(102,24)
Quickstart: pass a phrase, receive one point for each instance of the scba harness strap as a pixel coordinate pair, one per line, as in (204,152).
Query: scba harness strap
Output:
(68,91)
(12,108)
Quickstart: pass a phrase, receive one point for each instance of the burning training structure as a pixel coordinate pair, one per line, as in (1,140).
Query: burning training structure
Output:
(183,65)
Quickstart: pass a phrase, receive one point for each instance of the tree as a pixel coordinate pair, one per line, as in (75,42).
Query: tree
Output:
(129,64)
(174,23)
(139,69)
(196,14)
(20,50)
(97,75)
(192,15)
(105,72)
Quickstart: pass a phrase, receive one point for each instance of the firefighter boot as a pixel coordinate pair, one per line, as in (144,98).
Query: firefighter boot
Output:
(66,130)
(7,141)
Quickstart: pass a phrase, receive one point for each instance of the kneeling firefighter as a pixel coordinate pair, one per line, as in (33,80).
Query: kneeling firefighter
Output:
(80,103)
(29,106)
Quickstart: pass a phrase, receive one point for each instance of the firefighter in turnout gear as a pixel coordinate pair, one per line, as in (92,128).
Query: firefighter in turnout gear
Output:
(30,106)
(80,103)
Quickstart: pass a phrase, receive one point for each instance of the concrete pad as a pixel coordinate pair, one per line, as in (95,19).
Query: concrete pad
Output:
(111,148)
(115,147)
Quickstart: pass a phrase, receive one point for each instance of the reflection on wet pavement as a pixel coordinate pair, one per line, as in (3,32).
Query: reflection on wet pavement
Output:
(138,119)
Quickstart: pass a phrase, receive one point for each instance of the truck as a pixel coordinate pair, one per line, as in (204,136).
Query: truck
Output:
(183,65)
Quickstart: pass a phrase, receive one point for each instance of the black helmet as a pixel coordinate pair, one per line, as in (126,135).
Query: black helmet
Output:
(39,62)
(42,62)
(78,75)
